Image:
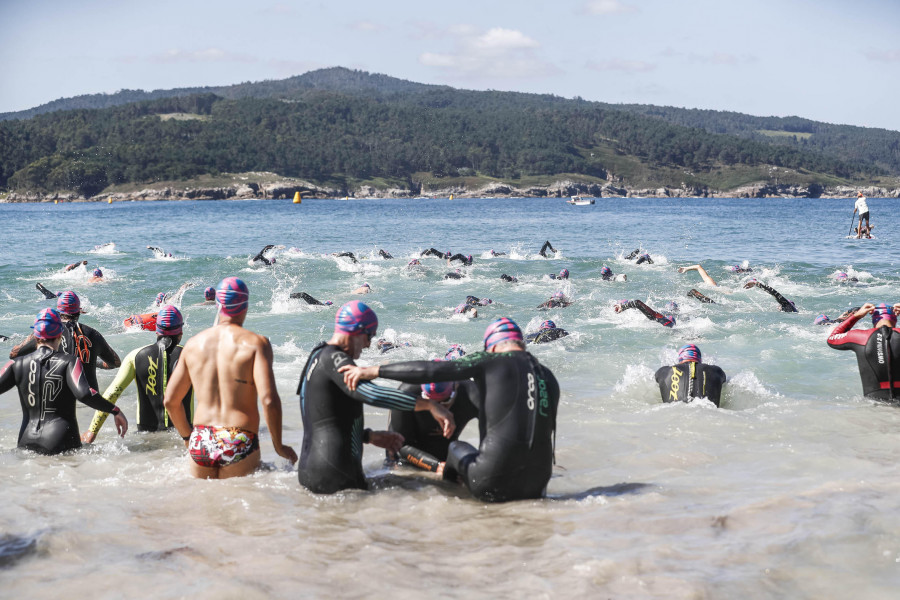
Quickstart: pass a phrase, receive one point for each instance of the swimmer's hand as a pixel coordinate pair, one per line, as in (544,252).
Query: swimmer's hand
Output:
(897,309)
(353,374)
(443,416)
(88,437)
(440,468)
(388,440)
(287,452)
(865,309)
(686,269)
(121,424)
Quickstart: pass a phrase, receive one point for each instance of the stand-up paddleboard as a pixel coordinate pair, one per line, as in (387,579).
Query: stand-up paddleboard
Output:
(146,321)
(853,237)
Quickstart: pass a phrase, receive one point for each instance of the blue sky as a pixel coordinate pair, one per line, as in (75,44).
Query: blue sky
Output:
(829,60)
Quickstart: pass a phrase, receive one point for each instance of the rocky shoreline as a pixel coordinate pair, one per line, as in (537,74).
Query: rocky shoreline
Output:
(560,189)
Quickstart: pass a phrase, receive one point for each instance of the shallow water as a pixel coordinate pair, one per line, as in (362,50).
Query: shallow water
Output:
(789,490)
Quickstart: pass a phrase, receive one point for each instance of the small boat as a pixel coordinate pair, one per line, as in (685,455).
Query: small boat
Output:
(580,201)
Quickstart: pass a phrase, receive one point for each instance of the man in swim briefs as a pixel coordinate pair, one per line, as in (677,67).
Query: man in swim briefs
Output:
(877,350)
(229,368)
(690,378)
(516,415)
(333,427)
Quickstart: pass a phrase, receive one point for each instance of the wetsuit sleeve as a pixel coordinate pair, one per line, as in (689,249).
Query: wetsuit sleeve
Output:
(786,305)
(7,377)
(83,392)
(842,338)
(123,379)
(103,351)
(368,392)
(427,371)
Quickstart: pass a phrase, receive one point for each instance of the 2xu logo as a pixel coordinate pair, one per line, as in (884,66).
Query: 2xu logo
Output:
(540,387)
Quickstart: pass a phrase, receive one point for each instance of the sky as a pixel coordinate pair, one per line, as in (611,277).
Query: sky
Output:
(829,60)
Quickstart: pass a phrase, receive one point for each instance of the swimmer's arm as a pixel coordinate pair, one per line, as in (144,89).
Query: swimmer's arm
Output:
(842,338)
(26,347)
(264,378)
(108,356)
(782,301)
(703,274)
(177,388)
(85,394)
(123,379)
(7,378)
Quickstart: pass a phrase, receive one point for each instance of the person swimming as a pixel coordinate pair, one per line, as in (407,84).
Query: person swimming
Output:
(740,269)
(457,274)
(495,253)
(466,260)
(365,288)
(785,304)
(664,320)
(508,278)
(159,252)
(75,265)
(384,254)
(545,247)
(96,276)
(349,255)
(261,256)
(435,252)
(309,299)
(690,378)
(877,350)
(557,300)
(698,296)
(644,258)
(209,297)
(547,332)
(564,274)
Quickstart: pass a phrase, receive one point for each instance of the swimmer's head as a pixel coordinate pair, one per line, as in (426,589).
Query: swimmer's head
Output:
(841,276)
(438,391)
(161,298)
(501,330)
(356,318)
(455,351)
(68,303)
(413,262)
(606,272)
(672,306)
(98,273)
(461,307)
(558,296)
(366,285)
(644,256)
(668,321)
(689,353)
(821,320)
(469,258)
(209,293)
(169,321)
(232,296)
(48,325)
(548,324)
(883,311)
(564,274)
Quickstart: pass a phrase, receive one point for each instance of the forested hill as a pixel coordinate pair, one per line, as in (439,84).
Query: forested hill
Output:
(345,127)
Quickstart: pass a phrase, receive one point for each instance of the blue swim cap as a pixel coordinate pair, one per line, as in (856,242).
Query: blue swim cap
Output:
(821,320)
(169,321)
(689,353)
(356,318)
(209,293)
(558,296)
(98,273)
(548,324)
(437,391)
(883,311)
(48,325)
(564,274)
(501,330)
(232,296)
(455,351)
(68,303)
(669,321)
(606,272)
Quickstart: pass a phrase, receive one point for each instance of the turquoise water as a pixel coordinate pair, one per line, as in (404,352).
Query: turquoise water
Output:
(788,490)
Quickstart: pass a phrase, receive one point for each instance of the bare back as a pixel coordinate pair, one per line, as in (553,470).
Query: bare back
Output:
(223,363)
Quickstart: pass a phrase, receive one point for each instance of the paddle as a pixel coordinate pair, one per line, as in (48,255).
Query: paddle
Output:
(852,218)
(47,293)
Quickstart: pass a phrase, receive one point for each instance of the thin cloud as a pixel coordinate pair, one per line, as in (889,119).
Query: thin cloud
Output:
(492,54)
(888,56)
(176,55)
(368,26)
(620,64)
(607,7)
(278,9)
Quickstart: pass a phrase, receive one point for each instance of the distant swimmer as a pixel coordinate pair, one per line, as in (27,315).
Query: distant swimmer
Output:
(664,320)
(633,254)
(74,265)
(150,366)
(842,277)
(508,278)
(96,276)
(4,338)
(437,253)
(457,274)
(333,426)
(159,252)
(545,247)
(607,275)
(309,299)
(384,254)
(175,297)
(209,297)
(230,369)
(690,378)
(877,350)
(365,288)
(466,260)
(740,269)
(82,341)
(414,264)
(557,300)
(547,332)
(466,309)
(49,382)
(495,253)
(862,208)
(261,256)
(703,274)
(785,304)
(349,255)
(698,296)
(564,274)
(385,346)
(644,258)
(516,414)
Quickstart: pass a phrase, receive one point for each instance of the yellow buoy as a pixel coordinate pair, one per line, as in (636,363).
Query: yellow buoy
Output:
(56,202)
(109,201)
(297,198)
(451,196)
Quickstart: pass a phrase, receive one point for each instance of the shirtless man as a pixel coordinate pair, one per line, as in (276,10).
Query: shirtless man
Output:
(229,368)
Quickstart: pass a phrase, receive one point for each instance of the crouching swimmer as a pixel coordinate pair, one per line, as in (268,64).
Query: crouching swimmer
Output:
(690,378)
(517,415)
(877,350)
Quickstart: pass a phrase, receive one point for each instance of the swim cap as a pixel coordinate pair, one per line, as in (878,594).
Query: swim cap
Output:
(564,274)
(548,324)
(821,320)
(644,255)
(98,273)
(841,276)
(883,311)
(689,353)
(209,293)
(413,262)
(356,318)
(501,330)
(48,325)
(669,321)
(606,272)
(469,258)
(672,306)
(455,351)
(232,296)
(558,295)
(437,391)
(461,308)
(161,298)
(68,303)
(169,321)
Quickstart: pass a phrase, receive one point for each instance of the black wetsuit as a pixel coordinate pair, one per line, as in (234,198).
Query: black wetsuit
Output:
(424,445)
(384,254)
(306,297)
(434,252)
(633,254)
(645,258)
(545,247)
(508,278)
(260,258)
(704,299)
(331,456)
(465,259)
(546,335)
(553,303)
(516,421)
(49,384)
(648,312)
(453,275)
(47,293)
(688,380)
(349,255)
(90,345)
(556,276)
(493,253)
(877,356)
(786,305)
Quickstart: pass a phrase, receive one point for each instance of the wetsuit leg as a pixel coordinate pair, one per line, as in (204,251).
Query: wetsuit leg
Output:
(459,456)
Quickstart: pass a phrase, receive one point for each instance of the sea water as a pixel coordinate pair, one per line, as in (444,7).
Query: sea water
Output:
(790,489)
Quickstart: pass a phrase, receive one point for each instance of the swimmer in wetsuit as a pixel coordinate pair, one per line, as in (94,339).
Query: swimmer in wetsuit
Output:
(564,274)
(557,300)
(466,260)
(414,264)
(49,383)
(495,253)
(785,304)
(434,252)
(664,320)
(877,350)
(457,274)
(690,378)
(547,332)
(74,266)
(516,415)
(740,269)
(150,366)
(842,277)
(85,342)
(349,255)
(607,275)
(159,252)
(384,254)
(333,426)
(508,278)
(545,247)
(309,299)
(644,258)
(228,367)
(261,256)
(698,296)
